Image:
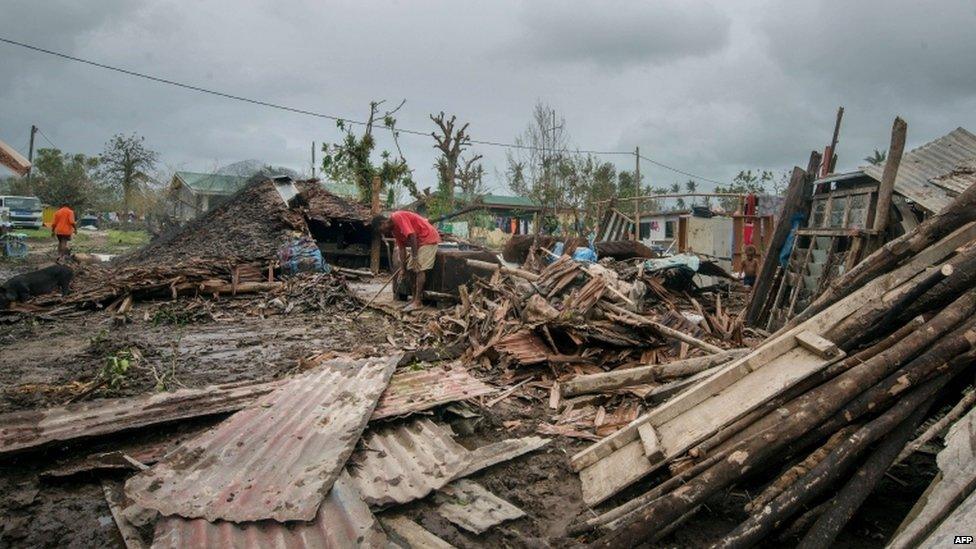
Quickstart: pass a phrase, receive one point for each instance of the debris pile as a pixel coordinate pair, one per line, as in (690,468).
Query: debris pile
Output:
(829,401)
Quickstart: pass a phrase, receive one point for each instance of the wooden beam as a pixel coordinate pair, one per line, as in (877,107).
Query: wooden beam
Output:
(887,187)
(618,379)
(374,209)
(817,345)
(794,202)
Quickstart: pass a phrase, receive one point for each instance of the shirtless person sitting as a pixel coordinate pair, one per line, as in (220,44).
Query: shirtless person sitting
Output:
(750,266)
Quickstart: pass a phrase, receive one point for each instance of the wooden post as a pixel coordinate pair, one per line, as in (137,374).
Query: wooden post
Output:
(830,162)
(637,191)
(374,209)
(791,205)
(887,186)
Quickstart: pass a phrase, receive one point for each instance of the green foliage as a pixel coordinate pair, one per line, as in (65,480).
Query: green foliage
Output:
(351,159)
(743,183)
(125,164)
(877,158)
(115,369)
(61,178)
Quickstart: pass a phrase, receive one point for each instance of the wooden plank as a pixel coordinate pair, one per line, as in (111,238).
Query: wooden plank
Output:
(617,379)
(962,522)
(792,203)
(817,345)
(887,186)
(404,530)
(776,345)
(951,489)
(682,433)
(652,442)
(606,477)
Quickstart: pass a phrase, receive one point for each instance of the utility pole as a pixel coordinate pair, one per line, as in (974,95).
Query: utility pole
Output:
(313,159)
(30,156)
(637,192)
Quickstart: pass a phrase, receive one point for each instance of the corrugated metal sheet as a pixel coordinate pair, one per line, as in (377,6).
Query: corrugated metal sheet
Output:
(343,521)
(396,464)
(276,459)
(404,462)
(920,168)
(524,346)
(411,391)
(472,507)
(32,429)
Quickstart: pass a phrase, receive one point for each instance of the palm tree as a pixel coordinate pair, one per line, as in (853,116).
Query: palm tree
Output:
(691,186)
(877,158)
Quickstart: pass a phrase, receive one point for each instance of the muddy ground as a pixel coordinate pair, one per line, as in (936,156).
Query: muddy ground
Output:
(45,363)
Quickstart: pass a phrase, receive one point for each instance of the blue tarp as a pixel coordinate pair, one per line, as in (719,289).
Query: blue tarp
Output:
(302,255)
(784,253)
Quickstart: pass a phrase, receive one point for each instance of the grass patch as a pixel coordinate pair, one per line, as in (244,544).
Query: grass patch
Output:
(127,238)
(112,241)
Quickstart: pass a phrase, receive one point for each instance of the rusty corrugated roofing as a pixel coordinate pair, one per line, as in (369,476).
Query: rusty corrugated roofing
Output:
(35,428)
(399,463)
(404,462)
(472,507)
(415,390)
(920,170)
(343,521)
(276,459)
(524,346)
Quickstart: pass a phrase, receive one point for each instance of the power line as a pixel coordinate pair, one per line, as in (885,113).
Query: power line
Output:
(682,172)
(313,113)
(46,138)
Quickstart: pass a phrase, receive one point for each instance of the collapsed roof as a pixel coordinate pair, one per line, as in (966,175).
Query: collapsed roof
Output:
(249,226)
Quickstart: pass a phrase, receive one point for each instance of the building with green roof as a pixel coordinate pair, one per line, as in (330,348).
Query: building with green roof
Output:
(192,193)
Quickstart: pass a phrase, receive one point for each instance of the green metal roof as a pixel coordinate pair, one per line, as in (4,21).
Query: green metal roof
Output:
(208,183)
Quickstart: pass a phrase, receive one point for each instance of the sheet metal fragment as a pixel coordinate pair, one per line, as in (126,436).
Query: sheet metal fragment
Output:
(468,505)
(276,459)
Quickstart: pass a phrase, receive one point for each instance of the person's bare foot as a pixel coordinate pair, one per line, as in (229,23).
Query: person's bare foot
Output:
(412,306)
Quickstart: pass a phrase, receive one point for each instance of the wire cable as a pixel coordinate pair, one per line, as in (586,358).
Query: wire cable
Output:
(682,172)
(312,113)
(48,139)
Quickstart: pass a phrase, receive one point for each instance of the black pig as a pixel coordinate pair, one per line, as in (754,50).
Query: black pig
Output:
(34,283)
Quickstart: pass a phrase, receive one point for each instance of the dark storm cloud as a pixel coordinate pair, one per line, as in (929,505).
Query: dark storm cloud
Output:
(709,87)
(622,33)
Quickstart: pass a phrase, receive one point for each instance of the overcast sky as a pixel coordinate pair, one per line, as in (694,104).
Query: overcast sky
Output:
(709,87)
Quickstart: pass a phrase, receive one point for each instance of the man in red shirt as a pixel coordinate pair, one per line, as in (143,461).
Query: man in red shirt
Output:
(63,226)
(411,230)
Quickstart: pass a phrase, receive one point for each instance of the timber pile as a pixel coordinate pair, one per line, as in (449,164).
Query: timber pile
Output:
(595,342)
(830,402)
(300,293)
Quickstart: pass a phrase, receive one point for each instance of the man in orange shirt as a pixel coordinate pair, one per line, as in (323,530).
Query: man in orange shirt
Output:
(411,230)
(63,227)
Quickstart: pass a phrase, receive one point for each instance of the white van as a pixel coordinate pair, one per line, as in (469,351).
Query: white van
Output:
(25,211)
